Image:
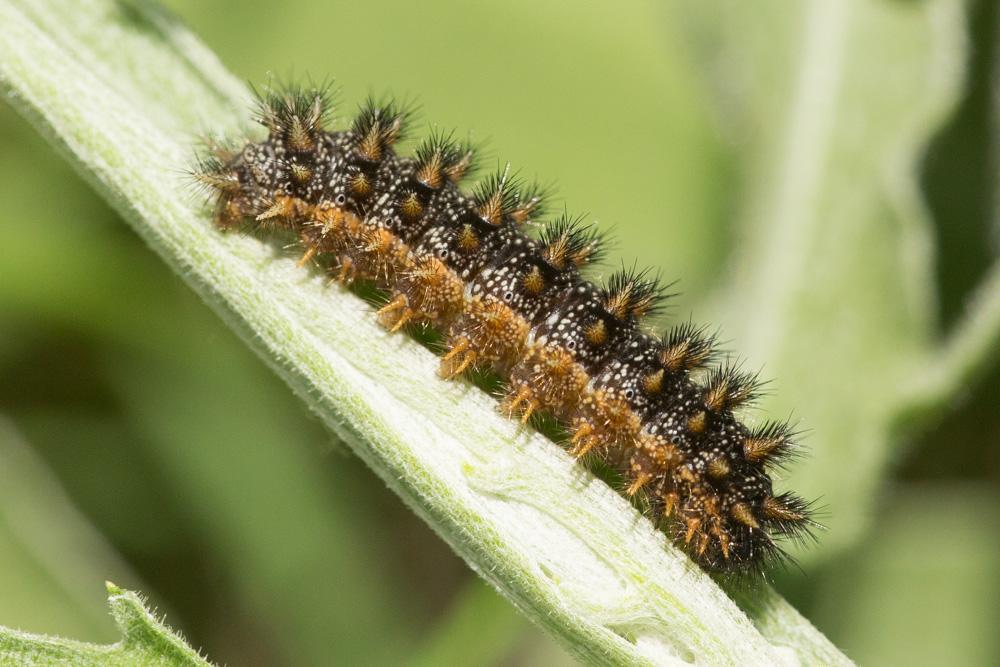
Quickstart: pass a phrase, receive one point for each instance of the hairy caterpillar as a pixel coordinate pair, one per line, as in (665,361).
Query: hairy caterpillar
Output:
(650,406)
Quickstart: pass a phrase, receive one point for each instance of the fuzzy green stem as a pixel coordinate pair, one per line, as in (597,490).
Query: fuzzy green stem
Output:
(145,640)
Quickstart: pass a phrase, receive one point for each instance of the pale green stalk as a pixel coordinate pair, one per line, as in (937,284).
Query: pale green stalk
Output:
(146,642)
(119,89)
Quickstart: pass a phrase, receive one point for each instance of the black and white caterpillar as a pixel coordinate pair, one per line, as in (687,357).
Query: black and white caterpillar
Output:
(651,406)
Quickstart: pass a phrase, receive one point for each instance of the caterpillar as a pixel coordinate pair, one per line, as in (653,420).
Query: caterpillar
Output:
(662,410)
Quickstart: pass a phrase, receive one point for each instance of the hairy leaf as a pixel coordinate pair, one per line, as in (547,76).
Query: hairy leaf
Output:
(145,641)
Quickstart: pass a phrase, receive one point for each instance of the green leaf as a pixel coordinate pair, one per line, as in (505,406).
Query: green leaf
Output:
(117,86)
(832,287)
(145,641)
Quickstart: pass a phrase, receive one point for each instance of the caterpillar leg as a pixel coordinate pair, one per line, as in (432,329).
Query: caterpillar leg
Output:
(396,313)
(654,458)
(434,292)
(346,273)
(583,440)
(641,480)
(522,402)
(555,380)
(605,421)
(486,333)
(457,360)
(307,256)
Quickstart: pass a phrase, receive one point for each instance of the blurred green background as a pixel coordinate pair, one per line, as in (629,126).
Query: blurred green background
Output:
(141,442)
